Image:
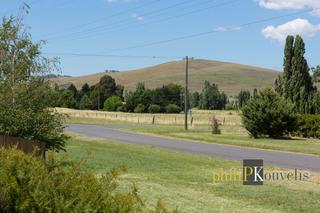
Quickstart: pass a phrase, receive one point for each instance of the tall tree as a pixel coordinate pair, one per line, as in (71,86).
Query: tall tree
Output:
(296,83)
(243,98)
(211,98)
(103,90)
(85,90)
(316,73)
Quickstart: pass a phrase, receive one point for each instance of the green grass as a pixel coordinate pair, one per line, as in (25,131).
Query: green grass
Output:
(185,180)
(308,146)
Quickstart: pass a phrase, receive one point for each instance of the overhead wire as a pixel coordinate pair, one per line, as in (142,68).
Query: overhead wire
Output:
(102,19)
(169,18)
(217,30)
(126,21)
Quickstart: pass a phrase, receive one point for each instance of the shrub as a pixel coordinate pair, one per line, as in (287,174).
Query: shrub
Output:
(308,126)
(121,108)
(269,115)
(139,109)
(112,103)
(154,108)
(29,116)
(172,108)
(29,184)
(215,126)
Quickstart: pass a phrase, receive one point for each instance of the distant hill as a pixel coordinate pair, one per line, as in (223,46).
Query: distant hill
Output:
(230,77)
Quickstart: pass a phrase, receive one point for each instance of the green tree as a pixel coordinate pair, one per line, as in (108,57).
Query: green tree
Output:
(211,98)
(243,98)
(85,102)
(76,95)
(296,83)
(24,109)
(85,90)
(316,102)
(139,109)
(316,74)
(112,103)
(172,108)
(103,90)
(269,115)
(154,108)
(67,99)
(119,91)
(195,99)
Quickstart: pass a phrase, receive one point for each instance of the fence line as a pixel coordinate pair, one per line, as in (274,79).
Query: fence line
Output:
(227,118)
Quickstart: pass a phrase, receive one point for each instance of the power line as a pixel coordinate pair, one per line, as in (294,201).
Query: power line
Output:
(162,20)
(112,56)
(102,19)
(219,30)
(126,21)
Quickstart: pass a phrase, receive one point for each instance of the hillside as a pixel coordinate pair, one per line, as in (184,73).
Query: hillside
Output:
(230,77)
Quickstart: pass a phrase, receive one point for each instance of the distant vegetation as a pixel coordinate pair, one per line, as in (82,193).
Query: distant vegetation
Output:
(109,96)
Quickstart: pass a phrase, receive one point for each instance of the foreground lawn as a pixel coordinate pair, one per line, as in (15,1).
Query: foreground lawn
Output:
(185,181)
(308,146)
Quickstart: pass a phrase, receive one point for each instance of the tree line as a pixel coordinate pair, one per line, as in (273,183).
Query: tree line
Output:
(109,96)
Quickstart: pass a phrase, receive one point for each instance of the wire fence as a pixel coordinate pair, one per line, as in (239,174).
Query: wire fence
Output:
(197,117)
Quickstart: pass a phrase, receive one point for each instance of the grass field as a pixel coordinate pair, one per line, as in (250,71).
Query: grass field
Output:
(232,131)
(308,146)
(231,78)
(185,181)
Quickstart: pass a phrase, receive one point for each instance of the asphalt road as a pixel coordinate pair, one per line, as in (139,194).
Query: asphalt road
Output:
(276,158)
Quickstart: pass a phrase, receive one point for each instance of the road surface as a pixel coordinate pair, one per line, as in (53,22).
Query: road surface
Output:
(276,158)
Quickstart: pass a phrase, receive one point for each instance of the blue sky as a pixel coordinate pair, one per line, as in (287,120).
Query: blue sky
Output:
(106,26)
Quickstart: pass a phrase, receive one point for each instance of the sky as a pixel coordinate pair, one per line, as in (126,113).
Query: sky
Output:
(91,36)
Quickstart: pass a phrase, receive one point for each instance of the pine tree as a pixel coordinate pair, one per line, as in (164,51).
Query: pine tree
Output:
(296,83)
(301,84)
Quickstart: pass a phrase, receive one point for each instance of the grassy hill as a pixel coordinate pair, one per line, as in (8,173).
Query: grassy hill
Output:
(230,77)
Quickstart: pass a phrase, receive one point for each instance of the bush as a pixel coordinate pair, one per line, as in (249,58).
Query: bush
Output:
(112,104)
(308,126)
(121,108)
(29,117)
(269,115)
(29,184)
(215,126)
(139,109)
(154,108)
(172,108)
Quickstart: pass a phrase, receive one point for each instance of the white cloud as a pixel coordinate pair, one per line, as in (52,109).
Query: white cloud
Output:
(295,27)
(291,4)
(137,17)
(227,28)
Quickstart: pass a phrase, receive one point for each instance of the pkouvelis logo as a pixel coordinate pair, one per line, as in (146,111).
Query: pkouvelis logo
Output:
(253,173)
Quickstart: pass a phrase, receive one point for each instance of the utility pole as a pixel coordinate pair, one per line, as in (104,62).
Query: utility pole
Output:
(186,95)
